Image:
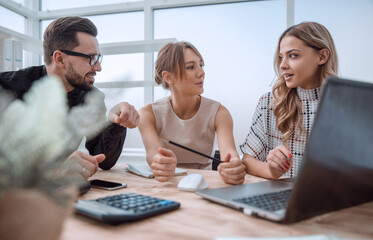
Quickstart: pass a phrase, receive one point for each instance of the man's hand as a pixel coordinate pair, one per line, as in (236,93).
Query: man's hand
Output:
(88,163)
(232,170)
(125,115)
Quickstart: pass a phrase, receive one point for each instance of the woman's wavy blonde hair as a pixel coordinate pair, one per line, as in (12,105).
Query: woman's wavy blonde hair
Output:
(288,107)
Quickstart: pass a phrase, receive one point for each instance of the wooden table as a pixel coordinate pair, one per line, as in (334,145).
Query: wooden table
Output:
(198,218)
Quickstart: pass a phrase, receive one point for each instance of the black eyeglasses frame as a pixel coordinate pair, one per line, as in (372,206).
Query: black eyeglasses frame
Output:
(95,57)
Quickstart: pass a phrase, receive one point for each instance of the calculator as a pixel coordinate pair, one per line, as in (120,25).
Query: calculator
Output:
(125,207)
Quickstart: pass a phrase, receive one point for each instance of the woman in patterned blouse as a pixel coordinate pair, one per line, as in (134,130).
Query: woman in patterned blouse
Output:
(281,124)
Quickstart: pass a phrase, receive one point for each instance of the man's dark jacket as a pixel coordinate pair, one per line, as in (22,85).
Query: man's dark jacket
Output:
(109,142)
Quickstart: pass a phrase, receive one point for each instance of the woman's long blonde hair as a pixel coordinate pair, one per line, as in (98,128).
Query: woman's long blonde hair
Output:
(288,107)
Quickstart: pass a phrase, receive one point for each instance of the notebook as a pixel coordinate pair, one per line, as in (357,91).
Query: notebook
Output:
(145,171)
(337,166)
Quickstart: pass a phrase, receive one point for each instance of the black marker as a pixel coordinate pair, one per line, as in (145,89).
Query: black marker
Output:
(189,149)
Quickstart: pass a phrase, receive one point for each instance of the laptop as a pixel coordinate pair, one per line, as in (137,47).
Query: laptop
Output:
(337,169)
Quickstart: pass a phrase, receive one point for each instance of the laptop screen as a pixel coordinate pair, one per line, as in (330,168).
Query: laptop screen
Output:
(338,164)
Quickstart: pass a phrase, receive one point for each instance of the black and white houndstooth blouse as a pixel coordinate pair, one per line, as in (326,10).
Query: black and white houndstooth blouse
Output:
(264,136)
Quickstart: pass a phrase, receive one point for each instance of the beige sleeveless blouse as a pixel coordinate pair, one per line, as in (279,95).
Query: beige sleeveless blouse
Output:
(197,132)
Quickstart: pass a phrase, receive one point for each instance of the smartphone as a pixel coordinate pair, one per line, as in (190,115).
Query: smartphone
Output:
(107,185)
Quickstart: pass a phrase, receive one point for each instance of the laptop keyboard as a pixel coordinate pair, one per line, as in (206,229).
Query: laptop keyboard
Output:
(270,201)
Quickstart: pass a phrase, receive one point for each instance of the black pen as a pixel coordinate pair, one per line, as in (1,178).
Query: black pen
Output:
(189,149)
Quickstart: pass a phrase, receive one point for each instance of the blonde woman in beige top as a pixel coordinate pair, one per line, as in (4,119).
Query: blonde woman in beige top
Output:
(186,118)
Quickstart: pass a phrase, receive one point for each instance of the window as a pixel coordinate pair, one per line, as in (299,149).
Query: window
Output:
(12,20)
(122,67)
(125,27)
(131,27)
(350,23)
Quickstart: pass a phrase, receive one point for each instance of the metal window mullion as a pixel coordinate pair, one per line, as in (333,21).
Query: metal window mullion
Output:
(124,84)
(289,13)
(148,57)
(32,30)
(92,10)
(162,4)
(17,8)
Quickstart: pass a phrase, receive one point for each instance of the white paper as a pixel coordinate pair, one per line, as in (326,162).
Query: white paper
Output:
(145,171)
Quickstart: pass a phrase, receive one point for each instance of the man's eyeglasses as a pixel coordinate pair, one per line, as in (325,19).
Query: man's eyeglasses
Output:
(93,59)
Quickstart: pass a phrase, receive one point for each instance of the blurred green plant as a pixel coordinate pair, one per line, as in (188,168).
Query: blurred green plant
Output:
(38,133)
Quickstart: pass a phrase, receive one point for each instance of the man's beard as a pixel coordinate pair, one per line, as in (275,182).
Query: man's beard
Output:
(77,81)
